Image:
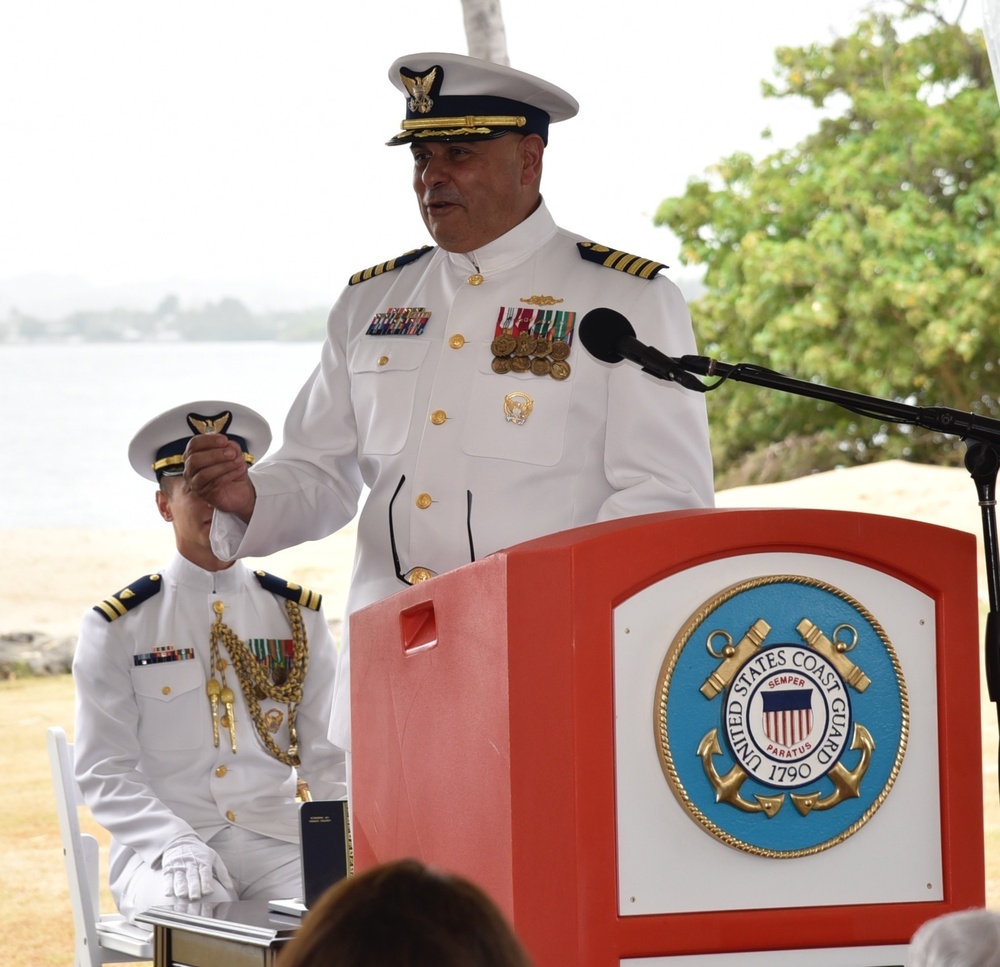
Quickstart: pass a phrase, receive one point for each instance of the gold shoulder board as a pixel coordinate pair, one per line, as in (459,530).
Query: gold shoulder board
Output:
(398,262)
(294,592)
(129,598)
(622,261)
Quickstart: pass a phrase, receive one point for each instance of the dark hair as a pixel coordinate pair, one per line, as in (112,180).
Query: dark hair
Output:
(166,482)
(402,914)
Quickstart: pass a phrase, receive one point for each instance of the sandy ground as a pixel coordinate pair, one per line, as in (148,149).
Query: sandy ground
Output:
(48,578)
(935,495)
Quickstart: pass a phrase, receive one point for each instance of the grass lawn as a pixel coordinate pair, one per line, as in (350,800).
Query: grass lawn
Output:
(34,900)
(34,897)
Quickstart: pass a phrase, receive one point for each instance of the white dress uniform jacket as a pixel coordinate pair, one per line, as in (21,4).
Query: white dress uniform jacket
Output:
(608,441)
(145,757)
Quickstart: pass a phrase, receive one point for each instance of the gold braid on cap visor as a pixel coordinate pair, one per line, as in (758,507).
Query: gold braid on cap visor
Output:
(178,459)
(470,124)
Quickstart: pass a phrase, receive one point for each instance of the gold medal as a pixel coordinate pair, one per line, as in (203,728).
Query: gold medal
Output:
(536,350)
(503,345)
(525,345)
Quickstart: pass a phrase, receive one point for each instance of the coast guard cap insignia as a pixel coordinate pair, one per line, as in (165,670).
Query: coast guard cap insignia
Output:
(209,424)
(781,716)
(419,89)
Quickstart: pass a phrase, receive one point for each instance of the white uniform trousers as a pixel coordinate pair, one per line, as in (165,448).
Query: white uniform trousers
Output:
(261,867)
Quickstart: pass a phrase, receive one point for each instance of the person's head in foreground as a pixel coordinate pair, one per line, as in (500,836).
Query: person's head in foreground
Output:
(402,914)
(970,938)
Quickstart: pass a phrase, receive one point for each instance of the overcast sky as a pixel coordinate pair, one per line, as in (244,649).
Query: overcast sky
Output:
(236,146)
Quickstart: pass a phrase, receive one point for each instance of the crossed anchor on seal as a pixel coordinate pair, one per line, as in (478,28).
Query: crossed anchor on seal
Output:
(773,731)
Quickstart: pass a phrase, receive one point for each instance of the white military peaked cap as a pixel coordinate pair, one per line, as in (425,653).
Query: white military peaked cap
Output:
(452,97)
(157,450)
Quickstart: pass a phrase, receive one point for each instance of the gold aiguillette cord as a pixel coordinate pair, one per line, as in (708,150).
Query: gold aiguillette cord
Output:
(256,684)
(213,688)
(223,692)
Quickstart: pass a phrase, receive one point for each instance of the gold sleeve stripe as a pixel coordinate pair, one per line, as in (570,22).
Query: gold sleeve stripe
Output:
(128,598)
(400,260)
(111,608)
(288,589)
(367,274)
(621,261)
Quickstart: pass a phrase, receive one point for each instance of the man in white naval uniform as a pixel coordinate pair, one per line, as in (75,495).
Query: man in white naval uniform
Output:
(450,383)
(196,720)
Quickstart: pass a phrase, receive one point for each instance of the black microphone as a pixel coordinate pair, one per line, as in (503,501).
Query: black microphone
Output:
(607,335)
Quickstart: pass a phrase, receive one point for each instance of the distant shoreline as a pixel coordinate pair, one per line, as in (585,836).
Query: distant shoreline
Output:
(227,320)
(167,340)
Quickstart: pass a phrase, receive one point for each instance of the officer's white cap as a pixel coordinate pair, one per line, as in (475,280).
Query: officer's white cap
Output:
(157,450)
(453,97)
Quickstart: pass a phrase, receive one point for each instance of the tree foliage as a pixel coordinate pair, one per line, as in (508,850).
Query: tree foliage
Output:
(866,257)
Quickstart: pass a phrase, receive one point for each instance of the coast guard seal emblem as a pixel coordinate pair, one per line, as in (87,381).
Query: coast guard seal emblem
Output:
(781,716)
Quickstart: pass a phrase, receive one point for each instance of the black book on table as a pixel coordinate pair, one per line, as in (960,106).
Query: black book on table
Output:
(324,845)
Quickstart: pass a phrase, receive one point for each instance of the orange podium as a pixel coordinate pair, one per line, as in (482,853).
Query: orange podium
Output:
(697,737)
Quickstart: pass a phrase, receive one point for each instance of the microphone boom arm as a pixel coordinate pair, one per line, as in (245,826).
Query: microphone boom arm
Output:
(942,419)
(608,336)
(982,460)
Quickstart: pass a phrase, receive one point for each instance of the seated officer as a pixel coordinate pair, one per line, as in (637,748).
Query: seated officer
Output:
(195,719)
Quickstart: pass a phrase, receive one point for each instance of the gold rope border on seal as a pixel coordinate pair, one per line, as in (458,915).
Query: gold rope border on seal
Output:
(660,716)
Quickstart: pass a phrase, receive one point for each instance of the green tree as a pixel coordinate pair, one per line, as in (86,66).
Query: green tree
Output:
(866,257)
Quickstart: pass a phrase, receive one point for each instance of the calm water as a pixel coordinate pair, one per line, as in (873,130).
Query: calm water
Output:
(69,412)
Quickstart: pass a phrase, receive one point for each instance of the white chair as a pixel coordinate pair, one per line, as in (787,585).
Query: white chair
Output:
(100,939)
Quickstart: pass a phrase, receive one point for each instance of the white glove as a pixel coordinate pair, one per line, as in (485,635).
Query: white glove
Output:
(189,866)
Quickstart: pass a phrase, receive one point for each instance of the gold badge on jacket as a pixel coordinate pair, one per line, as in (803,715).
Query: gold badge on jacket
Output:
(517,408)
